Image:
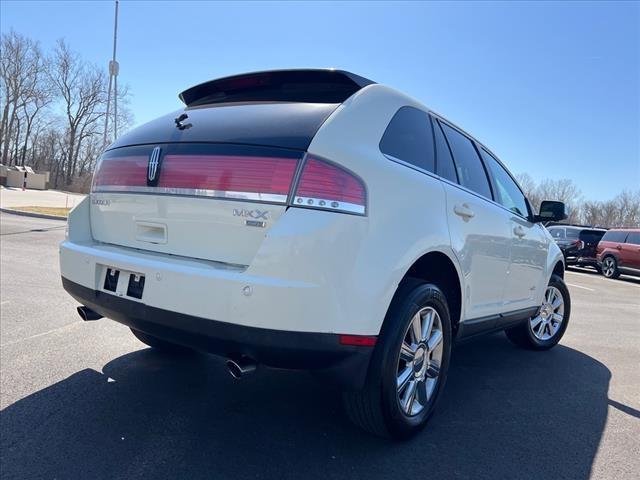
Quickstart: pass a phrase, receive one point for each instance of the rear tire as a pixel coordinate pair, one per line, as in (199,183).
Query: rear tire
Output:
(159,344)
(544,330)
(407,371)
(610,267)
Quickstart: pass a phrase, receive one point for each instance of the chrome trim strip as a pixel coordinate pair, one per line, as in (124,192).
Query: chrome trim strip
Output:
(193,192)
(325,204)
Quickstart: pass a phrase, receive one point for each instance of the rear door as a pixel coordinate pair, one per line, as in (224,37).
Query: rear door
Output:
(630,252)
(529,243)
(480,230)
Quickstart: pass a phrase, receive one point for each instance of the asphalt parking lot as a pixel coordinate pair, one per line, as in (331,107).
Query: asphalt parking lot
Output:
(87,400)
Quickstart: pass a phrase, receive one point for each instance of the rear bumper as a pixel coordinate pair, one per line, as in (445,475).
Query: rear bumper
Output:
(321,352)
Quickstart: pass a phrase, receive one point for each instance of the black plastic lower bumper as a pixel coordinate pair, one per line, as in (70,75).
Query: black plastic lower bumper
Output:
(321,352)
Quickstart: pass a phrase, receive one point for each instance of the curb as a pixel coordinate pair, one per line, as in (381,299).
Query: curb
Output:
(31,214)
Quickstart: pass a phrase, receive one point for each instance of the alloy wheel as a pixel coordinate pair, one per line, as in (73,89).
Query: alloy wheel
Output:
(608,267)
(419,361)
(549,319)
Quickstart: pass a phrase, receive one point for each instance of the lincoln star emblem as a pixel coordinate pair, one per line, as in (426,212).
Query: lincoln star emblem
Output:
(153,169)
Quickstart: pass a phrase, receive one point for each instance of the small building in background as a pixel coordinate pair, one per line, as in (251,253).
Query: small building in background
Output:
(14,176)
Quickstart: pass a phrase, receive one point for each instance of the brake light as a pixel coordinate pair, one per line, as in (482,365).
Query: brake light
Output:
(259,178)
(118,173)
(327,186)
(230,176)
(579,244)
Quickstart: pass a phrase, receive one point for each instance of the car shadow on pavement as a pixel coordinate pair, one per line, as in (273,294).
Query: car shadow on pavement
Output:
(505,413)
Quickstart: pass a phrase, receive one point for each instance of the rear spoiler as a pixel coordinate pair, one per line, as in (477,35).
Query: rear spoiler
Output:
(307,86)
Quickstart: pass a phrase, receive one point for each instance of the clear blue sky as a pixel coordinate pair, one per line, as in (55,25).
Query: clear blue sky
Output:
(552,88)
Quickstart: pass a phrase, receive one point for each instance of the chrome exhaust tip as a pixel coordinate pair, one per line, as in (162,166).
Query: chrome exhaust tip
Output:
(87,314)
(241,366)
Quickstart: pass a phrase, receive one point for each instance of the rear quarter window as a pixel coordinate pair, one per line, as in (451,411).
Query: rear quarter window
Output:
(409,137)
(573,234)
(634,238)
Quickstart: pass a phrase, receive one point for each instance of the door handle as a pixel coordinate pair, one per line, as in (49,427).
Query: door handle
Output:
(519,231)
(463,211)
(618,247)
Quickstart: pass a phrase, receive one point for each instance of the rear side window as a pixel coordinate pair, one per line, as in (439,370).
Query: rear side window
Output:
(444,161)
(634,237)
(615,236)
(557,233)
(572,234)
(409,138)
(468,164)
(507,191)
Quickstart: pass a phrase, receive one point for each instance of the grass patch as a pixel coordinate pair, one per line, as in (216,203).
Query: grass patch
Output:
(58,211)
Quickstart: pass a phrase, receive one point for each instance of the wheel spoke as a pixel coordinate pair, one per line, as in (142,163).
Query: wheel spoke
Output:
(416,328)
(427,325)
(557,318)
(557,302)
(406,352)
(535,322)
(434,340)
(422,394)
(541,329)
(403,378)
(410,396)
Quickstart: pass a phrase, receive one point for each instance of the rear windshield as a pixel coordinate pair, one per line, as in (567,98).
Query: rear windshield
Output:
(591,236)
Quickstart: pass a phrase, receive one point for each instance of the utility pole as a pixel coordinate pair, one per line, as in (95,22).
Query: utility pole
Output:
(114,69)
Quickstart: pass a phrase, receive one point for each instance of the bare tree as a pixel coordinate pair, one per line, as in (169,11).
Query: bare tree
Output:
(82,91)
(21,83)
(621,211)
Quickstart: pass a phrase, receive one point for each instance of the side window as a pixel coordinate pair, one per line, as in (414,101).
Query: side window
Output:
(507,191)
(468,164)
(444,162)
(409,138)
(618,236)
(557,233)
(634,237)
(573,234)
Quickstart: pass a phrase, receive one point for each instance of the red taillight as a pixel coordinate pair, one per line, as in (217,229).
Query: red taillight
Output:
(579,244)
(267,176)
(358,340)
(328,186)
(121,172)
(243,177)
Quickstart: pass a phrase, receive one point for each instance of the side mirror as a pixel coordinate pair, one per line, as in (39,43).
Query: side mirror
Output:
(551,211)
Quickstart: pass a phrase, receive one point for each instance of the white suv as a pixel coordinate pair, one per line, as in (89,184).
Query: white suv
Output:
(312,219)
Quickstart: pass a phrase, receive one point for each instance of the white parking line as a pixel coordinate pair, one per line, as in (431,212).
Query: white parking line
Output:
(580,286)
(19,340)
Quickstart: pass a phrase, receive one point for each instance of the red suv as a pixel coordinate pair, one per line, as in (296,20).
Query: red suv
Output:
(619,252)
